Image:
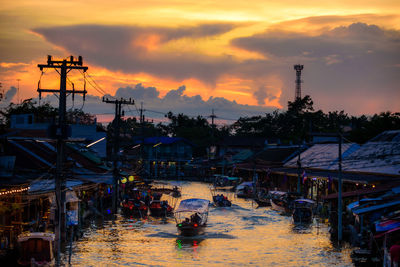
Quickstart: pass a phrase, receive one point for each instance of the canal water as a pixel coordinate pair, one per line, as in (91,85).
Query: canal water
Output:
(240,235)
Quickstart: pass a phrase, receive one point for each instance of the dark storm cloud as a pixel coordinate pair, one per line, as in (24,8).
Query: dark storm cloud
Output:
(8,96)
(137,92)
(129,48)
(353,67)
(263,93)
(174,101)
(358,39)
(349,67)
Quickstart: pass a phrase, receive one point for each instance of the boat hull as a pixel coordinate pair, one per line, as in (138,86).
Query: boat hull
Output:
(263,202)
(190,230)
(277,206)
(160,212)
(137,213)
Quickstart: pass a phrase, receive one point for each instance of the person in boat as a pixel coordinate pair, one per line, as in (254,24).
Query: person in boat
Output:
(137,201)
(187,221)
(195,218)
(147,199)
(165,206)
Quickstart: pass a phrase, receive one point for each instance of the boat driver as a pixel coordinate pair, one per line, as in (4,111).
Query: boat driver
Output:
(195,218)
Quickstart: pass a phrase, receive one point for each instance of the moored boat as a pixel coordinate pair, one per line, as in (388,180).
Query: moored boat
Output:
(303,210)
(36,249)
(227,183)
(191,216)
(263,198)
(245,190)
(283,201)
(160,208)
(134,207)
(278,201)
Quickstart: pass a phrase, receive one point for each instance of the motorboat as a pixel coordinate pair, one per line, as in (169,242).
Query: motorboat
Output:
(283,201)
(159,208)
(303,210)
(220,200)
(36,249)
(171,189)
(227,183)
(277,200)
(134,207)
(245,190)
(191,216)
(263,198)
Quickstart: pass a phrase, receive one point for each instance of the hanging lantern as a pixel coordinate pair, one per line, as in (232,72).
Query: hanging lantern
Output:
(124,180)
(131,178)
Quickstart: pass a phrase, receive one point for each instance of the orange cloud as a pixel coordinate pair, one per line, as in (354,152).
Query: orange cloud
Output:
(147,41)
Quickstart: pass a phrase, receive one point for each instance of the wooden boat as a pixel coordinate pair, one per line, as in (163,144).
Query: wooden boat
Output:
(135,208)
(219,200)
(171,189)
(160,209)
(263,198)
(303,210)
(36,249)
(277,200)
(191,216)
(227,183)
(283,201)
(245,190)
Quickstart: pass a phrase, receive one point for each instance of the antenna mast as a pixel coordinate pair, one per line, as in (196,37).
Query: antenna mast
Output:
(298,81)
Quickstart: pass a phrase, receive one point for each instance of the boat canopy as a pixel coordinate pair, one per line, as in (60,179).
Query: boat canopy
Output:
(387,232)
(232,178)
(193,205)
(277,193)
(387,225)
(305,200)
(375,207)
(244,184)
(37,235)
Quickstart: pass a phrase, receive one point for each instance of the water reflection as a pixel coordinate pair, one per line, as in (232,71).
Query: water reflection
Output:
(238,235)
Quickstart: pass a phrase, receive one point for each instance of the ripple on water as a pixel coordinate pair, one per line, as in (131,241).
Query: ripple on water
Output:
(240,235)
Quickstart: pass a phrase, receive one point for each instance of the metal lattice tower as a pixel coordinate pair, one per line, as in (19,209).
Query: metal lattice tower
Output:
(298,81)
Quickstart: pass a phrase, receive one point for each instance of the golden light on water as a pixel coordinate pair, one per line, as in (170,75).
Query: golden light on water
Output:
(238,236)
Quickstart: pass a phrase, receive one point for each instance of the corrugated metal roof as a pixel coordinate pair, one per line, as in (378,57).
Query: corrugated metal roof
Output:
(323,156)
(376,157)
(376,207)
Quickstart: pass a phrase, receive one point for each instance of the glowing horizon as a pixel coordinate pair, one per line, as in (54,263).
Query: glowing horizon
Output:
(242,52)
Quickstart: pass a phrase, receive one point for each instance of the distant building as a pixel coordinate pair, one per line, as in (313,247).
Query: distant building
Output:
(32,127)
(234,144)
(161,156)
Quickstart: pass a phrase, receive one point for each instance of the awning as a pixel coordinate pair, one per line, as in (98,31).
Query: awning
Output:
(193,205)
(387,225)
(362,192)
(376,207)
(44,186)
(390,231)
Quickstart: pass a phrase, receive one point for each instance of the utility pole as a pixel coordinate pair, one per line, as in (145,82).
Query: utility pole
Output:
(212,116)
(64,66)
(299,172)
(18,100)
(117,119)
(141,134)
(1,92)
(339,137)
(340,191)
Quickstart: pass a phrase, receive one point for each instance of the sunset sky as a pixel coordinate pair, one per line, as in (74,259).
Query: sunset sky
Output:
(235,57)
